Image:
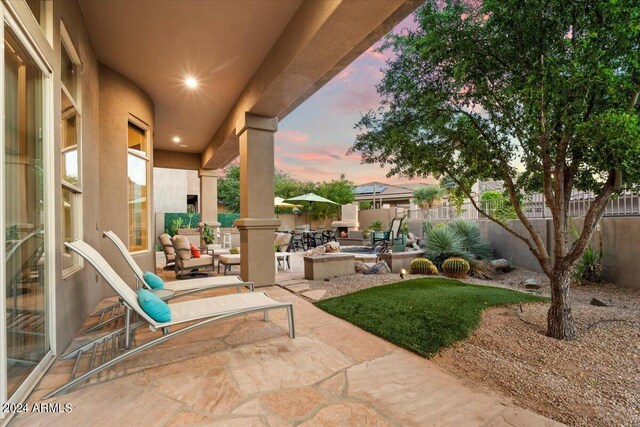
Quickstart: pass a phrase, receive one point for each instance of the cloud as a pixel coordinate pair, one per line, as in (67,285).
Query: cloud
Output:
(313,140)
(291,135)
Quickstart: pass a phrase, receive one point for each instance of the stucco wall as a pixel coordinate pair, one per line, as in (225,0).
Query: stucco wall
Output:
(170,190)
(119,100)
(621,245)
(507,246)
(78,294)
(620,242)
(367,216)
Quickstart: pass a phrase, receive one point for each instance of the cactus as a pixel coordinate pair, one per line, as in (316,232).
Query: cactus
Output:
(455,267)
(422,266)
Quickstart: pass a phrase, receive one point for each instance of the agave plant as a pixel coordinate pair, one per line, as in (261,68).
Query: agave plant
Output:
(472,241)
(444,243)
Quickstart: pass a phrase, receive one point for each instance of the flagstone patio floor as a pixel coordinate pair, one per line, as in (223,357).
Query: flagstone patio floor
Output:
(248,372)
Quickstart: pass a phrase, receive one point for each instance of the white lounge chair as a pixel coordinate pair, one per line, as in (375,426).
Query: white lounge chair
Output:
(180,288)
(203,311)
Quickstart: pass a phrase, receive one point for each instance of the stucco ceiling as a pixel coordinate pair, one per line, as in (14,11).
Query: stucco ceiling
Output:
(156,44)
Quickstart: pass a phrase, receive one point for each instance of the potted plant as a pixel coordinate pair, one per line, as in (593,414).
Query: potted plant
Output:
(208,236)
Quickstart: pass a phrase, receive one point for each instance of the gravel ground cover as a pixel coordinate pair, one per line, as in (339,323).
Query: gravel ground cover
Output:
(592,381)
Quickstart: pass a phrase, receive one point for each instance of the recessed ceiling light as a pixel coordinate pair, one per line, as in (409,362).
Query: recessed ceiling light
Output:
(191,82)
(176,139)
(183,145)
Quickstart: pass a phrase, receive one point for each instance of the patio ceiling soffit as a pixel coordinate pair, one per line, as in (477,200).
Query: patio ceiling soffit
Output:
(320,41)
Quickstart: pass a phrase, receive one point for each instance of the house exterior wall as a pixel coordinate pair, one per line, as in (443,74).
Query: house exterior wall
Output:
(77,294)
(121,99)
(106,100)
(170,190)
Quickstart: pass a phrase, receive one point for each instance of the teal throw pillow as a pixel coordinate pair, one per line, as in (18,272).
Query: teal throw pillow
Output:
(157,309)
(153,281)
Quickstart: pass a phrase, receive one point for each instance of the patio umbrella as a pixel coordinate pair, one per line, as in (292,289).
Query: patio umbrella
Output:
(310,199)
(279,202)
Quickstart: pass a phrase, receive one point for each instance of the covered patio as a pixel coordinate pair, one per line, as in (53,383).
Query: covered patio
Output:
(219,90)
(247,372)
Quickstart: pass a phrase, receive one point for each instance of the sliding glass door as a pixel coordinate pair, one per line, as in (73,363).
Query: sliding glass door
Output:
(25,284)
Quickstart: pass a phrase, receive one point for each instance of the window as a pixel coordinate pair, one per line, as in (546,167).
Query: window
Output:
(24,283)
(42,11)
(70,142)
(138,173)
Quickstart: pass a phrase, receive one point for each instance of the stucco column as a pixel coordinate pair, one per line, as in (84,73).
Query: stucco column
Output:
(208,199)
(209,196)
(256,222)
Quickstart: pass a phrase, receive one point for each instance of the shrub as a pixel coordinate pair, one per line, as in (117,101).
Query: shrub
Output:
(472,241)
(422,266)
(427,226)
(404,228)
(208,235)
(376,225)
(457,239)
(455,267)
(175,221)
(443,243)
(481,269)
(590,265)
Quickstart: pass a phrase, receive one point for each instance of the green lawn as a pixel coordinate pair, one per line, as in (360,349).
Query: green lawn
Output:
(422,315)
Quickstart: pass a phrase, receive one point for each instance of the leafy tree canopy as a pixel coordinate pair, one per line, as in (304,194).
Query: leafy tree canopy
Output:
(285,186)
(540,95)
(480,90)
(229,188)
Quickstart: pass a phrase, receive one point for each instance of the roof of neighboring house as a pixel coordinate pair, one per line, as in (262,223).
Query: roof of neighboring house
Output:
(386,191)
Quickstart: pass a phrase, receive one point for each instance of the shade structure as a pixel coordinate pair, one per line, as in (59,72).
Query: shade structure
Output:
(279,202)
(310,199)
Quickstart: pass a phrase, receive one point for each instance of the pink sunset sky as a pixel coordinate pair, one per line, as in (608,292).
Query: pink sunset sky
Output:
(312,142)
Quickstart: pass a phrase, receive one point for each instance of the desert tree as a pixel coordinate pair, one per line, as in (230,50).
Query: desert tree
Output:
(542,95)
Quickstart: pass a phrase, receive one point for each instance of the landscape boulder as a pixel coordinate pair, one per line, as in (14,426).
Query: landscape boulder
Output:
(332,247)
(501,265)
(379,268)
(361,267)
(319,250)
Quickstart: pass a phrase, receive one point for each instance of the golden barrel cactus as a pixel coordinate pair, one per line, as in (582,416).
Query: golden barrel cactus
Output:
(455,267)
(422,266)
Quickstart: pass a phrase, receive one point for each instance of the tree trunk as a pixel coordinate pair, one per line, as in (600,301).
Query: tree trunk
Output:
(560,324)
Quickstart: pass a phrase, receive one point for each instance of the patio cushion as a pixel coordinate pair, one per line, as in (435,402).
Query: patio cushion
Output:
(282,241)
(204,261)
(153,281)
(195,252)
(182,246)
(165,241)
(157,309)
